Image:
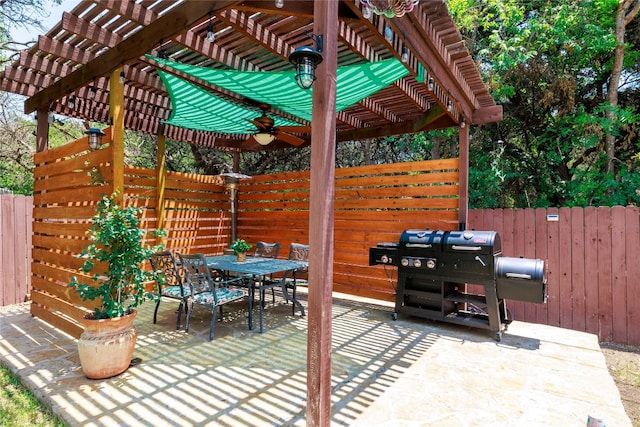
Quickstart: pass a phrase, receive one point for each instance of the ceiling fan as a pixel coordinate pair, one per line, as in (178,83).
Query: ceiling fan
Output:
(265,132)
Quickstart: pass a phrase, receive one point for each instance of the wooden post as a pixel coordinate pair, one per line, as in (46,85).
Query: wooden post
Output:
(160,182)
(321,206)
(116,114)
(463,170)
(42,131)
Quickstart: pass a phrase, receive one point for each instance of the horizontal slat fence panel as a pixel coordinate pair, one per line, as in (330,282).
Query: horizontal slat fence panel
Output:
(591,259)
(372,204)
(197,213)
(69,182)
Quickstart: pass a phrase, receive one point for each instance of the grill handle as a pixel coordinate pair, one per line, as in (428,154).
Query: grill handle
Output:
(418,245)
(466,248)
(518,276)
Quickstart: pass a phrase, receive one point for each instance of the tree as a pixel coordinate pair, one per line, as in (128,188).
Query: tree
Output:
(627,11)
(548,64)
(15,14)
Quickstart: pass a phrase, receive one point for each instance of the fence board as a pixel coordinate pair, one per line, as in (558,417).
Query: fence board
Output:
(555,279)
(529,251)
(578,313)
(632,245)
(618,275)
(564,273)
(605,318)
(542,310)
(8,216)
(592,282)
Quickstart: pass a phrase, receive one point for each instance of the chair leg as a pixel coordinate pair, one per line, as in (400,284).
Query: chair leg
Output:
(155,312)
(189,311)
(293,305)
(178,325)
(213,321)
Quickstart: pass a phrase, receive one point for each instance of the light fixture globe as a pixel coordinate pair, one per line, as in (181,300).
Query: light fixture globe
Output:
(264,138)
(305,59)
(94,138)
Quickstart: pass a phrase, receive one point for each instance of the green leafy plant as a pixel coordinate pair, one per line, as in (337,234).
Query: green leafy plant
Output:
(240,246)
(117,241)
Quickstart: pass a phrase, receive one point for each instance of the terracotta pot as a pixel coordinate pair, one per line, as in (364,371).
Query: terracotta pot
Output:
(106,345)
(242,257)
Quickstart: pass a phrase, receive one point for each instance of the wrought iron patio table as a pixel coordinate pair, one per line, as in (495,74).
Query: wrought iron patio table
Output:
(258,268)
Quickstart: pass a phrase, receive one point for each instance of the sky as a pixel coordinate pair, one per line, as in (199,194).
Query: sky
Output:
(55,15)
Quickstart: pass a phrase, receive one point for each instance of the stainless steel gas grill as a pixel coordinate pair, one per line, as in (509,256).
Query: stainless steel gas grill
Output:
(434,266)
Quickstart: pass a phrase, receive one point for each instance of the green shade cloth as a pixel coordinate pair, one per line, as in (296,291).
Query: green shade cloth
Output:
(196,108)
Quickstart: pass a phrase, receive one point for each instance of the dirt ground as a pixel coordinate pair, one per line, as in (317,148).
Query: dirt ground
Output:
(623,362)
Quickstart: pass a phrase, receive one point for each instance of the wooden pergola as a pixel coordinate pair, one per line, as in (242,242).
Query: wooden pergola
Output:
(75,70)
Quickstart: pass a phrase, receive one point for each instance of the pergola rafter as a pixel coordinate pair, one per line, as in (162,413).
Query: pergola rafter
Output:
(96,37)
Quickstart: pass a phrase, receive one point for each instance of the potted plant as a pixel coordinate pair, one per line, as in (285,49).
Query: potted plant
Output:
(115,256)
(240,248)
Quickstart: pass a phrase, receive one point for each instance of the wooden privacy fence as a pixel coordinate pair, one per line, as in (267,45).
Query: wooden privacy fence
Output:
(69,182)
(592,256)
(372,204)
(15,248)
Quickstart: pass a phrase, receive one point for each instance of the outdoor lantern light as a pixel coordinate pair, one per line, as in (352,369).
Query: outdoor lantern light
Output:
(366,12)
(211,36)
(279,4)
(94,137)
(306,59)
(405,54)
(264,138)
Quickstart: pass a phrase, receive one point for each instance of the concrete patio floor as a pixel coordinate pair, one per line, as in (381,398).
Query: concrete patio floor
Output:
(409,372)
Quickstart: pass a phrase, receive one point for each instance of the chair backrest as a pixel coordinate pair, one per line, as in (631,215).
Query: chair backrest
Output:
(165,262)
(267,250)
(197,274)
(298,252)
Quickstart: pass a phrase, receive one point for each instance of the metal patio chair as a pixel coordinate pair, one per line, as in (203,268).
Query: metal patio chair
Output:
(172,286)
(219,290)
(297,252)
(268,250)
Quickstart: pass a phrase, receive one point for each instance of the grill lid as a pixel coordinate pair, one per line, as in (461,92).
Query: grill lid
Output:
(425,240)
(472,241)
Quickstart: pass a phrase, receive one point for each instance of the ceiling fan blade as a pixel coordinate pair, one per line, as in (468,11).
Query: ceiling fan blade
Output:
(250,144)
(257,124)
(295,129)
(289,139)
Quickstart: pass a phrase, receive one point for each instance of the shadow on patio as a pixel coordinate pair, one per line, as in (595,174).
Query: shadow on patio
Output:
(404,373)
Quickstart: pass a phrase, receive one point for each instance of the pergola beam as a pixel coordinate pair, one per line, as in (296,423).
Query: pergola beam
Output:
(166,26)
(426,122)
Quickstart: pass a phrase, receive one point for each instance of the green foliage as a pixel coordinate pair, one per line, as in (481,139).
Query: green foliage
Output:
(240,246)
(548,64)
(116,240)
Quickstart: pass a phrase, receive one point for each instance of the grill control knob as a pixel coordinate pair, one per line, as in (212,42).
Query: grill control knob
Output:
(404,262)
(431,264)
(417,263)
(384,259)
